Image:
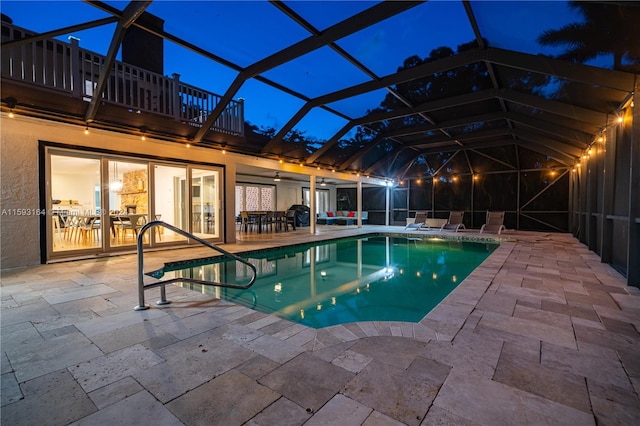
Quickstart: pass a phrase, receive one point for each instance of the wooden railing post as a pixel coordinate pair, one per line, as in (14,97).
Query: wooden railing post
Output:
(175,95)
(75,68)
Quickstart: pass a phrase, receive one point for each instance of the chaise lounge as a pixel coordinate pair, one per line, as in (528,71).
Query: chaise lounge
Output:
(494,223)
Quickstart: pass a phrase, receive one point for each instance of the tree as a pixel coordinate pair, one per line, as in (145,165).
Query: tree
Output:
(608,28)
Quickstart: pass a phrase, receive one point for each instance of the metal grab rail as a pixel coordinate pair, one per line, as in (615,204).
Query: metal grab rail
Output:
(163,298)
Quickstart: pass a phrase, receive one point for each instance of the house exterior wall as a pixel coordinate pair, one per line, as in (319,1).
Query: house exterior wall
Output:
(20,174)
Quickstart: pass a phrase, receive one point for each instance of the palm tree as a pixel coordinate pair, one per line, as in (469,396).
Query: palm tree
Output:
(608,28)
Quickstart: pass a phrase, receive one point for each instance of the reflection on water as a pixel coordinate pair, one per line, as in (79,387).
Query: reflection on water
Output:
(372,279)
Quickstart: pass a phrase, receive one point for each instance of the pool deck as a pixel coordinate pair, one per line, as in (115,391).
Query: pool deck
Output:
(541,333)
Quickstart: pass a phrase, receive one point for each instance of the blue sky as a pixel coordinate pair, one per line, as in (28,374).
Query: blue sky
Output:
(244,32)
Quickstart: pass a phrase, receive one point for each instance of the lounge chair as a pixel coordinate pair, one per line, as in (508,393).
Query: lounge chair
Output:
(494,223)
(454,223)
(420,219)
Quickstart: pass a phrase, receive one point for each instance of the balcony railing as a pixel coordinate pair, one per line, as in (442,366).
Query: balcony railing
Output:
(67,68)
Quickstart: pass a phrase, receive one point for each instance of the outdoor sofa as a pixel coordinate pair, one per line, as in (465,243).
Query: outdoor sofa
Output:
(341,217)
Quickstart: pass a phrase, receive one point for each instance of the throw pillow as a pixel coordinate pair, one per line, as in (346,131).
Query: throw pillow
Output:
(351,214)
(330,214)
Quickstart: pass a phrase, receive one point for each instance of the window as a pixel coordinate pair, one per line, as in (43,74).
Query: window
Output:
(253,197)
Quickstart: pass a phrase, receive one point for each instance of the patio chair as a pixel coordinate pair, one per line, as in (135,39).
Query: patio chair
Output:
(420,219)
(454,223)
(494,223)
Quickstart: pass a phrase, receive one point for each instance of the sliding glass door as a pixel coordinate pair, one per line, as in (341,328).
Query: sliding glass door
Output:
(74,203)
(170,201)
(205,202)
(98,203)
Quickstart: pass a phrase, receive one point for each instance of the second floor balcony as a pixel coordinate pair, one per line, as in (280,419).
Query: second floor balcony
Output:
(56,77)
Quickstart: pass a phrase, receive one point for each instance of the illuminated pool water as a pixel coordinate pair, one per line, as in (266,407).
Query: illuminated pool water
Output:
(377,278)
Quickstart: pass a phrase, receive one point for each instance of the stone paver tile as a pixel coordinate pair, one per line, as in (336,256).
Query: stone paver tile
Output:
(140,405)
(340,411)
(584,312)
(190,363)
(230,399)
(54,398)
(585,364)
(402,395)
(545,317)
(283,412)
(587,323)
(487,402)
(376,418)
(263,322)
(257,367)
(615,313)
(301,339)
(342,333)
(397,351)
(530,376)
(120,320)
(307,380)
(594,298)
(501,303)
(612,405)
(114,392)
(327,338)
(236,333)
(40,312)
(369,328)
(606,339)
(355,329)
(442,417)
(9,389)
(529,328)
(630,302)
(195,324)
(330,353)
(468,351)
(251,318)
(290,331)
(273,348)
(133,334)
(352,361)
(631,363)
(102,371)
(532,294)
(80,293)
(33,360)
(621,327)
(276,327)
(22,333)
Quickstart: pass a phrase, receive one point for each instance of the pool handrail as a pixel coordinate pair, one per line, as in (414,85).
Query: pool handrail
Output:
(163,299)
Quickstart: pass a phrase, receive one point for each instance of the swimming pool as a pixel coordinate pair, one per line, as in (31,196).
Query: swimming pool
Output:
(372,278)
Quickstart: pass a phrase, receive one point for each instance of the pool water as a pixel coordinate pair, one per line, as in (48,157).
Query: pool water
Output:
(377,278)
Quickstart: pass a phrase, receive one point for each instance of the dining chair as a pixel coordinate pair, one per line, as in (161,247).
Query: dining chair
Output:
(290,218)
(247,221)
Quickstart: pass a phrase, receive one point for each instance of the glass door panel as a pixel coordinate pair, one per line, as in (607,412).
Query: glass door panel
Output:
(128,201)
(170,202)
(205,203)
(75,209)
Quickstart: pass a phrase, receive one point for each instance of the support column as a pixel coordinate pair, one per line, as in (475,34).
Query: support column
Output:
(312,205)
(633,253)
(227,208)
(387,200)
(359,198)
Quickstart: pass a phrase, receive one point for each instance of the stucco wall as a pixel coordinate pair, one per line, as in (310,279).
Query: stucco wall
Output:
(19,223)
(19,174)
